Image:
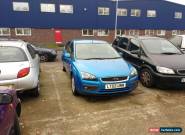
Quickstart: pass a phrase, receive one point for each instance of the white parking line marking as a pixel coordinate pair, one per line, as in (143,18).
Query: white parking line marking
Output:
(57,93)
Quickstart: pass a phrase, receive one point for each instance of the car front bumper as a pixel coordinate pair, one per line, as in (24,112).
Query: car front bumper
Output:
(98,87)
(169,80)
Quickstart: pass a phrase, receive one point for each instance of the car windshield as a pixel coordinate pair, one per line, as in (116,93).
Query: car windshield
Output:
(160,46)
(95,51)
(11,54)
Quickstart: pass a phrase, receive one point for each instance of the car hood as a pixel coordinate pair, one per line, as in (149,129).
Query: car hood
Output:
(169,61)
(104,68)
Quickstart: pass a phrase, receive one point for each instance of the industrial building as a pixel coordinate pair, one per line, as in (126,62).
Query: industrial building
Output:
(45,21)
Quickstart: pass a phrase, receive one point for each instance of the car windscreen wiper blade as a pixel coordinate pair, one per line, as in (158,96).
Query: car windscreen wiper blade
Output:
(102,58)
(170,53)
(94,59)
(114,58)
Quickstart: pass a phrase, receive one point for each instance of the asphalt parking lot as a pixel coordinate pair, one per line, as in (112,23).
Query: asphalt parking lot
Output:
(58,112)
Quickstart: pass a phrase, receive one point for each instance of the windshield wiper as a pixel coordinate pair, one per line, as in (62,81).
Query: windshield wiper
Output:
(102,58)
(114,58)
(94,59)
(169,53)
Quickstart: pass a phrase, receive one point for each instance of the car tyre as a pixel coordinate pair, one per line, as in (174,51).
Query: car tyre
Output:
(63,68)
(73,87)
(146,78)
(16,127)
(36,91)
(44,58)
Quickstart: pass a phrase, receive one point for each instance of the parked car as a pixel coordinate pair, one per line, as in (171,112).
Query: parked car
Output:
(156,59)
(19,65)
(10,110)
(179,41)
(45,53)
(96,68)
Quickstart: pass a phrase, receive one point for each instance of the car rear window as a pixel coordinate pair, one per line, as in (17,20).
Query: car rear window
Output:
(12,54)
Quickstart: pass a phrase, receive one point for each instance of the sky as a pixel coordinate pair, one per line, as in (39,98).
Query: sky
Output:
(178,1)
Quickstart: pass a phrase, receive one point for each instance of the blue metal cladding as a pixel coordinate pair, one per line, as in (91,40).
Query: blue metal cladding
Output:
(89,18)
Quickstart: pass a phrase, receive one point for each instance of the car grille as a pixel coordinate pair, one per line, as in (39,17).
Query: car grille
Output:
(181,71)
(114,79)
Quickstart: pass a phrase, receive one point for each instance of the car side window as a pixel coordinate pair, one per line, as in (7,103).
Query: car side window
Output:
(177,41)
(67,47)
(134,45)
(123,43)
(72,49)
(115,42)
(31,51)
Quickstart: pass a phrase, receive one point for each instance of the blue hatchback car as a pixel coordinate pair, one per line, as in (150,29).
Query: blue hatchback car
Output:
(96,68)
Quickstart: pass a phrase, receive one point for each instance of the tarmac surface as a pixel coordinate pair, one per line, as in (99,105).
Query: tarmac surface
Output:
(58,112)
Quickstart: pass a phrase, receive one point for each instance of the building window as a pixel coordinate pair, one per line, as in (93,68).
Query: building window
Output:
(176,32)
(121,32)
(136,12)
(161,32)
(103,32)
(20,6)
(122,12)
(149,32)
(103,11)
(134,32)
(23,31)
(87,32)
(151,13)
(178,15)
(47,8)
(68,9)
(5,32)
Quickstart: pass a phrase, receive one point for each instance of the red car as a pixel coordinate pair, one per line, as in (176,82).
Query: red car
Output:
(10,110)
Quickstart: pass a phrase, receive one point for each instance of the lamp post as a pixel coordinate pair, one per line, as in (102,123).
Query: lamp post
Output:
(116,20)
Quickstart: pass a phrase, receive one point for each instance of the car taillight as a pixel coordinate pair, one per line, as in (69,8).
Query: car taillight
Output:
(23,72)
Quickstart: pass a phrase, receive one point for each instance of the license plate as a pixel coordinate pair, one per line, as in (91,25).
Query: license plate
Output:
(4,87)
(115,86)
(183,80)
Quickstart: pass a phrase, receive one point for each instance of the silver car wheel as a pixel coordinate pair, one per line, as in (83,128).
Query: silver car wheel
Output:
(44,58)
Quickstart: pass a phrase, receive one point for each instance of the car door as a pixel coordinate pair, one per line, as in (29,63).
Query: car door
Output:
(134,55)
(68,60)
(35,60)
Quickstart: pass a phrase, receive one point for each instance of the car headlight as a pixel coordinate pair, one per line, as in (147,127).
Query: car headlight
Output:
(87,76)
(165,70)
(133,72)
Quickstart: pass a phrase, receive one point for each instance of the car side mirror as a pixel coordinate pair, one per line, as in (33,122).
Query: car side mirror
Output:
(67,55)
(5,99)
(120,53)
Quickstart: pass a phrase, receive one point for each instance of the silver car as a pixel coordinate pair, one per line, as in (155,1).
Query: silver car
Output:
(19,66)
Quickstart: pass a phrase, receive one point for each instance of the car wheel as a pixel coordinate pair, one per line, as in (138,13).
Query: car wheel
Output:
(63,68)
(16,127)
(44,58)
(73,86)
(36,91)
(146,78)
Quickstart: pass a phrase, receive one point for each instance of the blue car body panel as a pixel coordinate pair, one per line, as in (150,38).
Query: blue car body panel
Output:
(101,69)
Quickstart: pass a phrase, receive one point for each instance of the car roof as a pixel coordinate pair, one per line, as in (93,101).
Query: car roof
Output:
(89,41)
(140,37)
(11,42)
